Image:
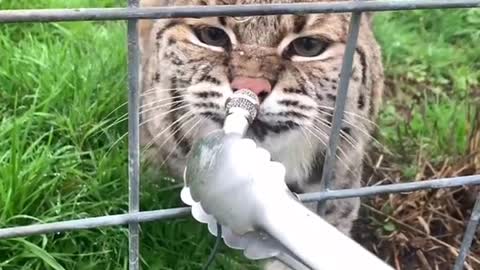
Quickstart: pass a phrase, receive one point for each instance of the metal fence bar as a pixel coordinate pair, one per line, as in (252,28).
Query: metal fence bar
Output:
(469,235)
(157,215)
(94,14)
(391,188)
(133,140)
(345,75)
(133,12)
(94,222)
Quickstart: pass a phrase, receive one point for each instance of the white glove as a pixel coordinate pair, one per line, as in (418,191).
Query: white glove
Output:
(226,181)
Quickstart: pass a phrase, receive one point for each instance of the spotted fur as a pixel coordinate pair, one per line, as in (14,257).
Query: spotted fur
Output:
(185,84)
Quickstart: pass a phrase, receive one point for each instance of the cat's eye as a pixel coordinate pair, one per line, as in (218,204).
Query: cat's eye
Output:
(307,47)
(213,36)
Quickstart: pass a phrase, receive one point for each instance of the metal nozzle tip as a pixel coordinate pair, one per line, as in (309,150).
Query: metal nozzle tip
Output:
(246,100)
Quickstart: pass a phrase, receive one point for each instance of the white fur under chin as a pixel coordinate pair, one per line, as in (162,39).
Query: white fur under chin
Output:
(294,151)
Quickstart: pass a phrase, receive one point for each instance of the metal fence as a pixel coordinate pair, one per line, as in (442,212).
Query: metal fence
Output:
(133,12)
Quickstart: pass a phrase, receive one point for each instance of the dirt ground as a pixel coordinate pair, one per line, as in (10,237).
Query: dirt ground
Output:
(420,230)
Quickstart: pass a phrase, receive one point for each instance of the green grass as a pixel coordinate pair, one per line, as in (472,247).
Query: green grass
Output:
(60,84)
(63,85)
(432,66)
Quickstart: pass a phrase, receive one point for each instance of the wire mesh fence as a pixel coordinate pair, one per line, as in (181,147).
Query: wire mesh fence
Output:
(133,12)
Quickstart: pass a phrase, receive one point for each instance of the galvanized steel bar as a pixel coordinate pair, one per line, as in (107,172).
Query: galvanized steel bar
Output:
(132,13)
(133,140)
(93,223)
(469,235)
(391,188)
(97,14)
(148,216)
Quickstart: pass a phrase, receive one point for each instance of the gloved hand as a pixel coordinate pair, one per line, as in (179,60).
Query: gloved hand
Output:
(230,175)
(235,181)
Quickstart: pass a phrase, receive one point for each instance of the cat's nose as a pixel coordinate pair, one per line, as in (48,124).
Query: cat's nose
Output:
(259,86)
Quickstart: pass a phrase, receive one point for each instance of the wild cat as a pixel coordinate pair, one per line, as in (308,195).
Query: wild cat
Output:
(292,62)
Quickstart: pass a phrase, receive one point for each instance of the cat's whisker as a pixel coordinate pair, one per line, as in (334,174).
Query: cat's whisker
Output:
(126,133)
(344,120)
(163,114)
(345,137)
(116,142)
(114,110)
(362,130)
(159,90)
(348,138)
(307,138)
(317,136)
(152,141)
(106,120)
(326,136)
(163,105)
(347,112)
(183,137)
(124,117)
(182,97)
(325,144)
(177,129)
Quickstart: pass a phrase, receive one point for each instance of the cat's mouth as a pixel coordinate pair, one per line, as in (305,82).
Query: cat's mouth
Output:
(261,128)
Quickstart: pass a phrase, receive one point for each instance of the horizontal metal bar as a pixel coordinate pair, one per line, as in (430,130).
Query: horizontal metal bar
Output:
(148,216)
(96,14)
(92,223)
(392,188)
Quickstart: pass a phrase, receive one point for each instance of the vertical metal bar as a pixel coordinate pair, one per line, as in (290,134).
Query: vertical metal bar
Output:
(133,139)
(345,74)
(469,235)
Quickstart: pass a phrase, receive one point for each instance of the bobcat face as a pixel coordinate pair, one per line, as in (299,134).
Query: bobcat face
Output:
(292,62)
